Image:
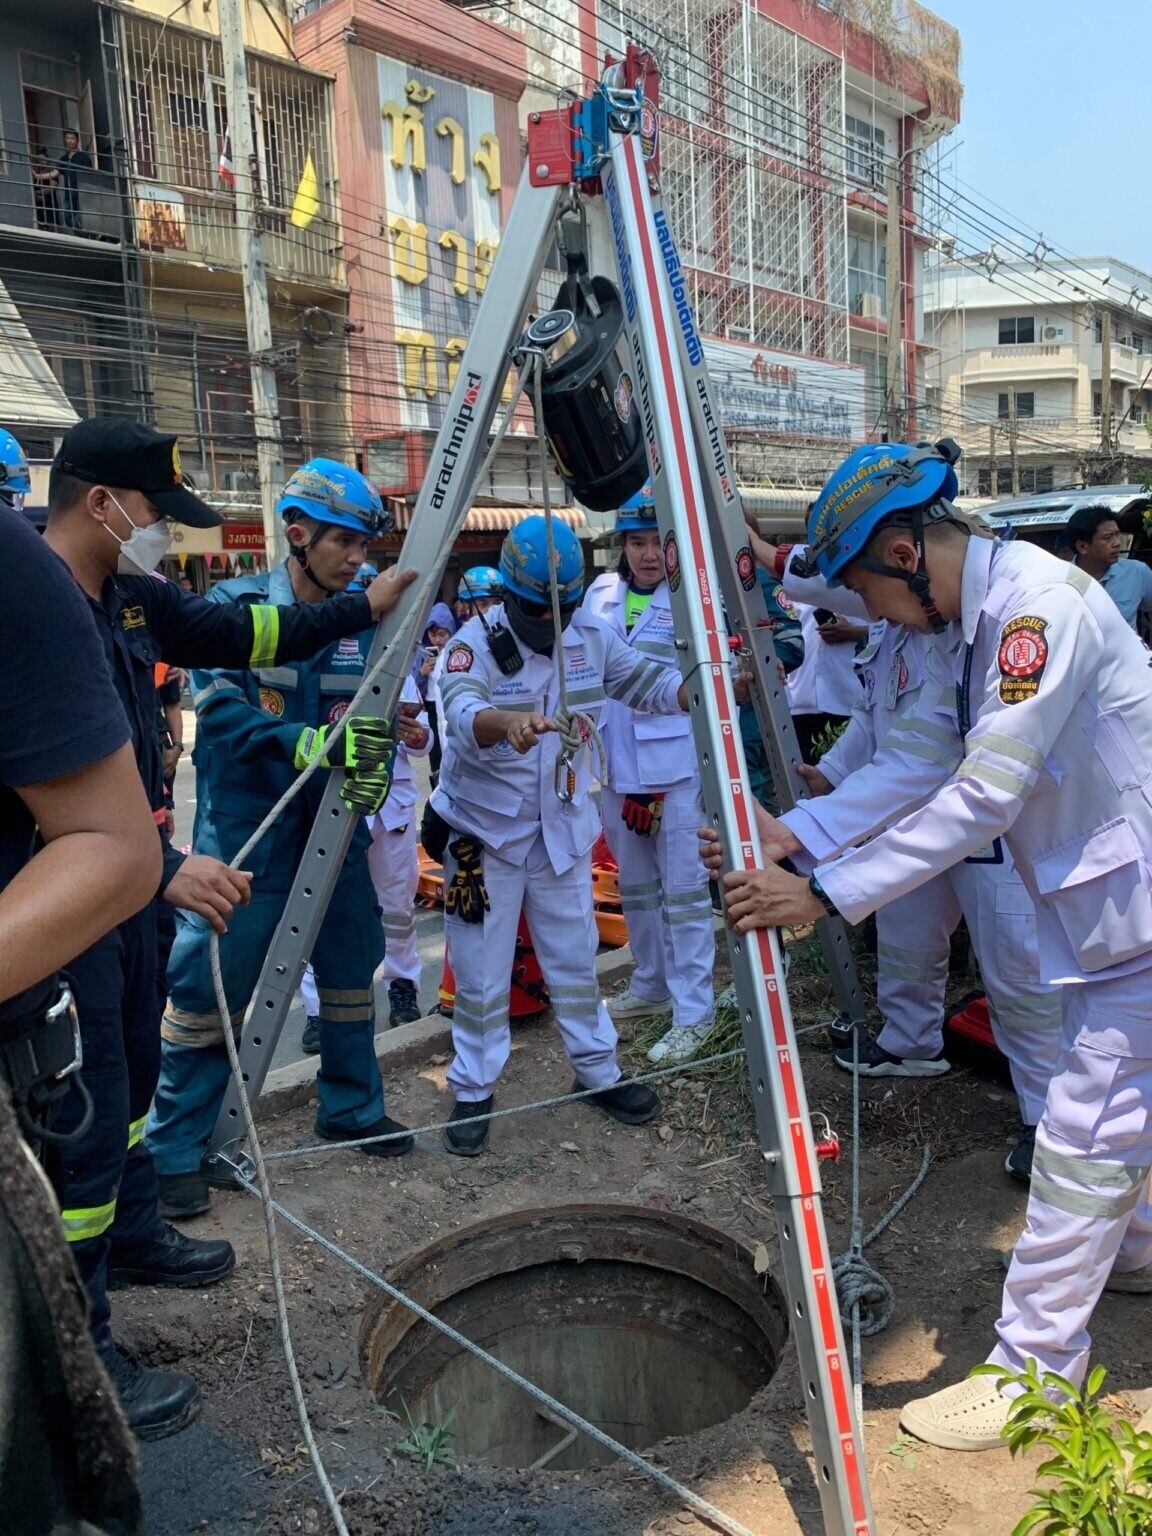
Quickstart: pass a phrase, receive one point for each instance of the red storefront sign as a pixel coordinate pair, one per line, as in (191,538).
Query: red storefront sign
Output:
(243,535)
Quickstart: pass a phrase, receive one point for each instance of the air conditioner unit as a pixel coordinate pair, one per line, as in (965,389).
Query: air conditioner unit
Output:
(870,306)
(240,480)
(738,333)
(1052,333)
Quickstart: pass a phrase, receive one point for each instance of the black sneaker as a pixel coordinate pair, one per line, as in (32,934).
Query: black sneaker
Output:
(171,1260)
(874,1061)
(467,1136)
(1019,1161)
(382,1127)
(155,1403)
(183,1195)
(404,1005)
(630,1103)
(310,1039)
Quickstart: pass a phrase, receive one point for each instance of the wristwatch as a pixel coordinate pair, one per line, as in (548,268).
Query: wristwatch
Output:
(822,897)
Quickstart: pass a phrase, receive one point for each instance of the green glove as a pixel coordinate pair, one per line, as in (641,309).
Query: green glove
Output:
(364,743)
(365,790)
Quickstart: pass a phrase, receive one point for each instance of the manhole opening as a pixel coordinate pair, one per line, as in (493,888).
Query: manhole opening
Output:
(649,1326)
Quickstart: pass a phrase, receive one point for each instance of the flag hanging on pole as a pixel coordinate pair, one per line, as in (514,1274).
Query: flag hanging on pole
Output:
(225,170)
(306,204)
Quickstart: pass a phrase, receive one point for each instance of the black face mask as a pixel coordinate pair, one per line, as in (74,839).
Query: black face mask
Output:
(531,623)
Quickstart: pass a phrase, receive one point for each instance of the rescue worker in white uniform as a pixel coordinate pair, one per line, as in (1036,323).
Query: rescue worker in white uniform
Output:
(913,932)
(1052,698)
(510,840)
(652,806)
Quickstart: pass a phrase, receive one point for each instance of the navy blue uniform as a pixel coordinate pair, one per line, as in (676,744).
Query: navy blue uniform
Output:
(247,726)
(109,1179)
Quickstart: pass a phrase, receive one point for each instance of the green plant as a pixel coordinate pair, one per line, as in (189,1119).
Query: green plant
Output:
(1101,1468)
(428,1443)
(826,738)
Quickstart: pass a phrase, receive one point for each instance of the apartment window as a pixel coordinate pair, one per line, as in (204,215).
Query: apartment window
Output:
(143,130)
(1096,402)
(1017,330)
(1025,404)
(867,282)
(864,151)
(1032,480)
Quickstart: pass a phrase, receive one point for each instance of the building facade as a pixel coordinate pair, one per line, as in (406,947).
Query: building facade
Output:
(1021,367)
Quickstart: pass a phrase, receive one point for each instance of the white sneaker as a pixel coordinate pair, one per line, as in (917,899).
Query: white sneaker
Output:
(629,1006)
(680,1044)
(966,1417)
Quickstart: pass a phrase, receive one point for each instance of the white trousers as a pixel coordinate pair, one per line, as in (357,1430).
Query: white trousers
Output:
(395,872)
(913,952)
(666,905)
(1088,1204)
(562,923)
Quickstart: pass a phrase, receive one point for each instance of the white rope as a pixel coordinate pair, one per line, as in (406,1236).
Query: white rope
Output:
(404,642)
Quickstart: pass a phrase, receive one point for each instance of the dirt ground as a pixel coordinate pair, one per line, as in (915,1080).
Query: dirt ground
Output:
(240,1469)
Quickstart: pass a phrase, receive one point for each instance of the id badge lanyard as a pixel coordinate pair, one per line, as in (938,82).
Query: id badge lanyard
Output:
(993,853)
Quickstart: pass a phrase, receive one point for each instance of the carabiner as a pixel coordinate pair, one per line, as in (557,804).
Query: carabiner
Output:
(565,784)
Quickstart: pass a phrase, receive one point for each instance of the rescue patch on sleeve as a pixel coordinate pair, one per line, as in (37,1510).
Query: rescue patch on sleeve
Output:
(271,701)
(1022,657)
(460,659)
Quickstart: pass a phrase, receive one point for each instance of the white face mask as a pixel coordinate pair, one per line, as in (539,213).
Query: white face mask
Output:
(144,548)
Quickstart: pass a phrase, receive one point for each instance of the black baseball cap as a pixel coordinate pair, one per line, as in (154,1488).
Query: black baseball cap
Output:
(106,450)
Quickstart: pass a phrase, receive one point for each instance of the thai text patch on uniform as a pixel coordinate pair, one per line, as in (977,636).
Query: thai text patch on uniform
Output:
(1022,657)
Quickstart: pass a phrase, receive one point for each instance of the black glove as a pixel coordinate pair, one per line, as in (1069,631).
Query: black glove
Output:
(466,897)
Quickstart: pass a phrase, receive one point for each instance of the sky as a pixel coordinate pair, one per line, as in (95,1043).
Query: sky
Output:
(1055,125)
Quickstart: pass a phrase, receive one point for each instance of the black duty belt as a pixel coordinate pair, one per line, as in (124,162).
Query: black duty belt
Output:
(44,1048)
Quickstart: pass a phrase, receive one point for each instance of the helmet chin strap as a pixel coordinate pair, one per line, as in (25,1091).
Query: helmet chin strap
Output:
(300,555)
(916,581)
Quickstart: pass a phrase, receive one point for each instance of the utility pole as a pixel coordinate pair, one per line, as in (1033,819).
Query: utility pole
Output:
(893,267)
(993,483)
(1106,384)
(265,400)
(1014,458)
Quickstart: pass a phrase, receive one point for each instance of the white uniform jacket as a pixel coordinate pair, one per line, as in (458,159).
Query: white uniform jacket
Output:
(646,751)
(891,670)
(1057,758)
(396,812)
(824,683)
(502,797)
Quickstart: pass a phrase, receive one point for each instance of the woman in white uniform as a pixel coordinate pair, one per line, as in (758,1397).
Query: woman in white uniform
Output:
(652,807)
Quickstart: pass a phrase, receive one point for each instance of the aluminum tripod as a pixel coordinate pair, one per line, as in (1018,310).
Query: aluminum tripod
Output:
(699,512)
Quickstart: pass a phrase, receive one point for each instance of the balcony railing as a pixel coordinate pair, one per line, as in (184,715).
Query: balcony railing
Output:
(54,199)
(187,224)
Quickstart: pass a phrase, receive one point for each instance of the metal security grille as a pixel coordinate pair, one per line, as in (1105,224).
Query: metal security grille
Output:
(752,168)
(179,152)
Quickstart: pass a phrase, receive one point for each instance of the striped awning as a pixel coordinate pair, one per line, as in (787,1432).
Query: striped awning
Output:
(496,519)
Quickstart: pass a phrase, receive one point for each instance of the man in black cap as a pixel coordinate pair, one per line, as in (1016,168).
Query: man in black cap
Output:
(113,489)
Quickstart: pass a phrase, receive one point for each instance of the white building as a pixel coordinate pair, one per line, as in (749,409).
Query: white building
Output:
(1015,374)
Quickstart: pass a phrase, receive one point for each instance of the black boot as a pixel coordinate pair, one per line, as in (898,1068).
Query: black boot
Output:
(183,1195)
(466,1136)
(382,1127)
(630,1103)
(155,1403)
(170,1259)
(404,1005)
(310,1039)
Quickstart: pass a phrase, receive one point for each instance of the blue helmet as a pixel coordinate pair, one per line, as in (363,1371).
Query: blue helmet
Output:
(638,514)
(15,480)
(524,561)
(331,492)
(481,581)
(873,483)
(364,578)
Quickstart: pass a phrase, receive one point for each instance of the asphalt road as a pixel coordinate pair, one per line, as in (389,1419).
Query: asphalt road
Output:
(429,923)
